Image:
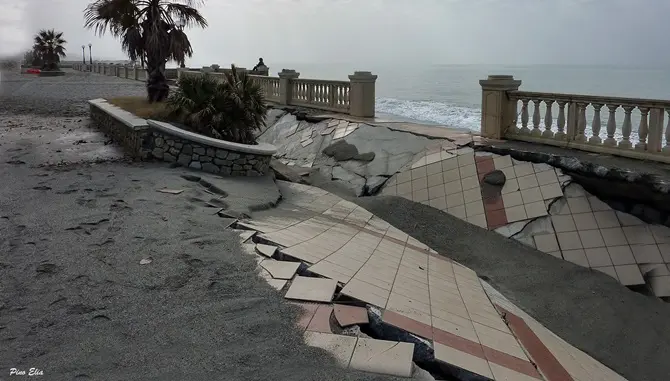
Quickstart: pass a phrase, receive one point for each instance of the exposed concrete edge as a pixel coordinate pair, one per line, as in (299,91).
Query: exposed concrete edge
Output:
(123,116)
(576,165)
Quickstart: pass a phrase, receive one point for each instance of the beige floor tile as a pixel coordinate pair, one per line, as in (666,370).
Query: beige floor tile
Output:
(546,242)
(527,182)
(457,211)
(609,270)
(598,257)
(474,208)
(280,269)
(516,213)
(536,209)
(512,199)
(438,203)
(340,346)
(606,219)
(546,178)
(576,256)
(501,162)
(646,254)
(511,185)
(661,233)
(455,199)
(434,168)
(462,360)
(613,237)
(638,235)
(563,223)
(366,292)
(591,238)
(478,220)
(458,330)
(500,373)
(531,195)
(311,289)
(405,188)
(435,179)
(420,172)
(492,321)
(464,158)
(585,221)
(469,183)
(523,169)
(551,191)
(471,196)
(621,255)
(451,175)
(453,187)
(385,357)
(629,275)
(597,205)
(451,163)
(436,191)
(468,170)
(433,158)
(499,340)
(660,285)
(420,195)
(579,205)
(419,184)
(444,310)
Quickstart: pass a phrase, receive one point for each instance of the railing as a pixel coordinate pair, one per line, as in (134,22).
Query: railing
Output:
(328,95)
(628,127)
(269,85)
(355,97)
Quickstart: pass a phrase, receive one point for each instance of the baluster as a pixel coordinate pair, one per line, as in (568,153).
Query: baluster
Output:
(560,134)
(611,126)
(536,119)
(626,128)
(581,122)
(524,117)
(548,120)
(667,133)
(643,129)
(595,125)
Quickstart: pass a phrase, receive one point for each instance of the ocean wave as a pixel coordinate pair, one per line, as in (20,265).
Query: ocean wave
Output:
(446,114)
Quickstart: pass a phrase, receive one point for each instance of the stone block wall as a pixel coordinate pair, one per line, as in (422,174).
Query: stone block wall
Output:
(146,143)
(131,139)
(215,160)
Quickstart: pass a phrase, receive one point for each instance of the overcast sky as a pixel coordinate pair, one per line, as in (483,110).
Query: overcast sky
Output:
(421,32)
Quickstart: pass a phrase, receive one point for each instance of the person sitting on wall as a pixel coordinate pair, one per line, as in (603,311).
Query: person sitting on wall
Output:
(260,66)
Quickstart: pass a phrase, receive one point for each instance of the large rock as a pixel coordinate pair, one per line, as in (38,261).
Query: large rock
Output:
(343,151)
(496,177)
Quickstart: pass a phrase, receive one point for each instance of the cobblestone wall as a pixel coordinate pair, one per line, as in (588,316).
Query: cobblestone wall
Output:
(147,143)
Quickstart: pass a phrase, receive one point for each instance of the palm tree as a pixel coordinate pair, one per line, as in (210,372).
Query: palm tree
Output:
(148,30)
(49,46)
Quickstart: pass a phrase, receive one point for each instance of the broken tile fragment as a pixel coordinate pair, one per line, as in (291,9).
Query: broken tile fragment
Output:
(307,142)
(280,269)
(307,311)
(321,320)
(341,347)
(381,356)
(327,131)
(170,191)
(350,315)
(266,250)
(311,289)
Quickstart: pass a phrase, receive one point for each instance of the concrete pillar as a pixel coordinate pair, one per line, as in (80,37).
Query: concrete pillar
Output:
(498,111)
(656,122)
(286,77)
(362,94)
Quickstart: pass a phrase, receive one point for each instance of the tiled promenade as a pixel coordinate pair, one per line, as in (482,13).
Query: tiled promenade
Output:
(350,255)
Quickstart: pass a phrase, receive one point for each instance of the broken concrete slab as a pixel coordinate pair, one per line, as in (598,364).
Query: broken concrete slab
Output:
(342,151)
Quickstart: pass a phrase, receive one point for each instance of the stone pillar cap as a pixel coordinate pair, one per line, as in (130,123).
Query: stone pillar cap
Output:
(288,73)
(500,82)
(363,76)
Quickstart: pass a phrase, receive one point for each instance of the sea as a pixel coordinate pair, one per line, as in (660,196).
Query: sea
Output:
(450,95)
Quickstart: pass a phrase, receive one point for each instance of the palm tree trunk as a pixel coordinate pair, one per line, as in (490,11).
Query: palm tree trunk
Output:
(157,83)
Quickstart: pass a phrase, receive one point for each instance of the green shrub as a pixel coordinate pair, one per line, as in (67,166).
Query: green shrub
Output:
(232,109)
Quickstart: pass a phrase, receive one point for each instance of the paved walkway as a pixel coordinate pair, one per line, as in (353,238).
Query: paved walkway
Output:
(357,256)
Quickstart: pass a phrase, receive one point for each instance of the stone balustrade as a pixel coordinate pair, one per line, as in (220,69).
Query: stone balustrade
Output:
(355,97)
(633,128)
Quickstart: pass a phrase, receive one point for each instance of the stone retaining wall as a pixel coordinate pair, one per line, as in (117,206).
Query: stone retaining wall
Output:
(215,160)
(146,140)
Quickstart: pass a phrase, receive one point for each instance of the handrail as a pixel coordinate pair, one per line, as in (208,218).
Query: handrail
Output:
(652,103)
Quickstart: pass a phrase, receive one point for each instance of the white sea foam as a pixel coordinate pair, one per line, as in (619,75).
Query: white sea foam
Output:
(432,112)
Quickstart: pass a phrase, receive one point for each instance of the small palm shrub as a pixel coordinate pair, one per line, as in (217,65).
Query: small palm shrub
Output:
(232,109)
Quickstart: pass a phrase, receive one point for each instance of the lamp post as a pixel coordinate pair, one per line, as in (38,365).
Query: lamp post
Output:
(83,54)
(90,56)
(180,24)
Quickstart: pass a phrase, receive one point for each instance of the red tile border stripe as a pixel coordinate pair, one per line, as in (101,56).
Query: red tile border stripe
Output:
(545,361)
(460,343)
(494,209)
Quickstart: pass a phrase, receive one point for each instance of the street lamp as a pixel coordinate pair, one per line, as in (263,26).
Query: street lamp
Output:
(90,56)
(83,54)
(181,23)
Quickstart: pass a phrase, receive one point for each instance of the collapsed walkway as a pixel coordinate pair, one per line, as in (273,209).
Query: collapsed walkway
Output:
(361,270)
